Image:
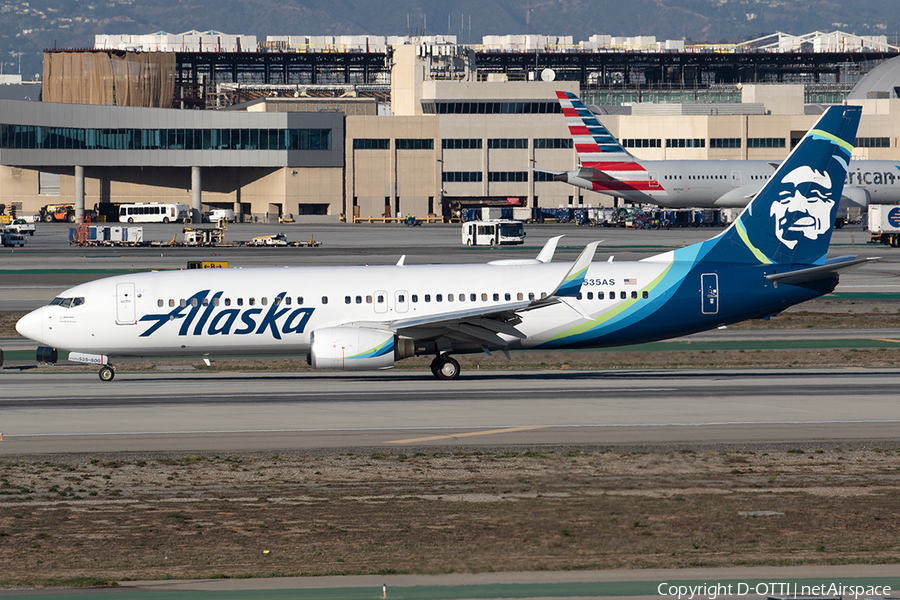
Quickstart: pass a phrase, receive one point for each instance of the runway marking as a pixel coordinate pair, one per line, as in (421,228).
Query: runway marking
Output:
(492,429)
(470,434)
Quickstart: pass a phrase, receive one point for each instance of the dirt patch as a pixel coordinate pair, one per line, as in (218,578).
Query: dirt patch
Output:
(118,517)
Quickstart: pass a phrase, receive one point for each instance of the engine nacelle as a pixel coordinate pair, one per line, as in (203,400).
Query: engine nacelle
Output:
(356,349)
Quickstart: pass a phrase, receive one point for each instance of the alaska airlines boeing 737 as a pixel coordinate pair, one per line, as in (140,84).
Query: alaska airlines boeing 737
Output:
(607,167)
(369,317)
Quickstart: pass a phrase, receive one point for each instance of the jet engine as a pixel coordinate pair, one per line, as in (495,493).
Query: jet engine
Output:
(356,349)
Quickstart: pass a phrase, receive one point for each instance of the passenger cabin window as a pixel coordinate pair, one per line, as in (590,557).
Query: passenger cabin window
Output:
(160,302)
(227,301)
(324,299)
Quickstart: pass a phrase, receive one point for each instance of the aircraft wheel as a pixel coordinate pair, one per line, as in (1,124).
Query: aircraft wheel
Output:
(445,367)
(107,374)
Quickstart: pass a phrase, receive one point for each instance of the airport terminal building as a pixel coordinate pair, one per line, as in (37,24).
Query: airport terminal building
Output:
(448,141)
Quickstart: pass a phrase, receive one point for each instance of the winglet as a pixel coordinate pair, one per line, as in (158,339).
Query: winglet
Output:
(546,253)
(571,283)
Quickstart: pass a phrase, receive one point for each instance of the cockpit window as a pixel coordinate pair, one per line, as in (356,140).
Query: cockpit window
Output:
(67,302)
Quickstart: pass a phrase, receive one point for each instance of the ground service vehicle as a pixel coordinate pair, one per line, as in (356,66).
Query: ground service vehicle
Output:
(884,225)
(220,214)
(493,233)
(12,238)
(54,213)
(154,212)
(22,226)
(279,239)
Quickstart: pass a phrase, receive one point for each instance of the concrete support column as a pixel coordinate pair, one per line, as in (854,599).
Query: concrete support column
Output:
(79,195)
(196,201)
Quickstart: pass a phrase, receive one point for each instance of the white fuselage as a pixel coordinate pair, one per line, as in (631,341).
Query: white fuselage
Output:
(269,310)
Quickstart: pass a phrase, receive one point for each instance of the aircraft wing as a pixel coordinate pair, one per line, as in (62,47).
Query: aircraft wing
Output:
(483,324)
(831,268)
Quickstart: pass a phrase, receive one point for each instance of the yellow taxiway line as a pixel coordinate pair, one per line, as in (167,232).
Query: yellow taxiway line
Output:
(460,435)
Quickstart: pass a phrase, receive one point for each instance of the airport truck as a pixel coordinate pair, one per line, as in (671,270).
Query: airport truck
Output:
(11,238)
(884,225)
(22,226)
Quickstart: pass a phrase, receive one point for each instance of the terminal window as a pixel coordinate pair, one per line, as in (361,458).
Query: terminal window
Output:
(685,143)
(461,144)
(414,144)
(491,108)
(724,142)
(555,143)
(461,176)
(642,143)
(506,143)
(371,144)
(35,137)
(765,143)
(873,142)
(508,176)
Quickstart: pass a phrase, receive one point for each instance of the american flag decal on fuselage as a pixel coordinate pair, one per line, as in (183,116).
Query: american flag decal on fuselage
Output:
(598,149)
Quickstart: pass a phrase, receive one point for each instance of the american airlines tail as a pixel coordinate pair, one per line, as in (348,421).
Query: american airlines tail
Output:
(593,142)
(604,164)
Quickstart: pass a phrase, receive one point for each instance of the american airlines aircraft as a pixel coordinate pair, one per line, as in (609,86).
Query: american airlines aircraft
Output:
(369,317)
(607,167)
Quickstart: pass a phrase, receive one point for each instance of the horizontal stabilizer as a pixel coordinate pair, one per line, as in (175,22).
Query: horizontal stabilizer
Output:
(831,268)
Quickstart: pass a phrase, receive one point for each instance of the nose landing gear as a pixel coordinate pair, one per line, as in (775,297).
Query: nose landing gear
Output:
(445,367)
(107,373)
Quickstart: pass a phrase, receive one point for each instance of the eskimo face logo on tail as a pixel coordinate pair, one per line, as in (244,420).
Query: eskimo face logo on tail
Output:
(206,314)
(803,211)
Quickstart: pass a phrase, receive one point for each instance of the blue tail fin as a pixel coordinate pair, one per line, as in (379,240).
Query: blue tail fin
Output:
(791,219)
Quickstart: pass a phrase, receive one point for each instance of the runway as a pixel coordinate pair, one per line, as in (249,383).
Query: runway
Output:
(406,412)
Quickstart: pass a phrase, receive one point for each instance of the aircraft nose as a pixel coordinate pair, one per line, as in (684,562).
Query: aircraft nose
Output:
(32,325)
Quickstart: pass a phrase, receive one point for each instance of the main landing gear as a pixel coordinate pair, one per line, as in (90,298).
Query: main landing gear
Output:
(107,373)
(445,367)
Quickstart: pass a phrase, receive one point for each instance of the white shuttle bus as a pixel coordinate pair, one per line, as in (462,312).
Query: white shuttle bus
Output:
(154,212)
(493,233)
